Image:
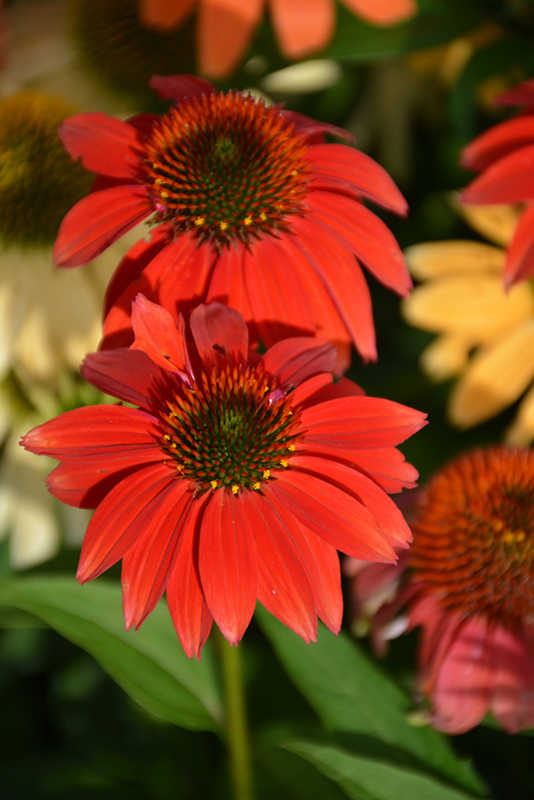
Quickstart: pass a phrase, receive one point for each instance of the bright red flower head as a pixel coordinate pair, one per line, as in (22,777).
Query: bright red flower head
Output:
(504,155)
(235,479)
(470,588)
(251,209)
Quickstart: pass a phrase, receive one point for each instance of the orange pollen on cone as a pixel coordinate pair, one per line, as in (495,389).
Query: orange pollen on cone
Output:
(225,166)
(230,430)
(473,537)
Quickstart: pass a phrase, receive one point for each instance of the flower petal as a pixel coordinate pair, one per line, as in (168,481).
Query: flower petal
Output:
(302,26)
(294,361)
(331,514)
(497,142)
(437,259)
(126,374)
(383,12)
(180,87)
(520,259)
(220,334)
(361,171)
(156,335)
(226,28)
(365,234)
(512,700)
(122,517)
(508,180)
(97,221)
(228,564)
(164,14)
(105,144)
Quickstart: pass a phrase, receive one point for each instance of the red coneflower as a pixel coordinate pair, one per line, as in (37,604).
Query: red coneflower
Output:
(505,156)
(236,478)
(250,210)
(470,588)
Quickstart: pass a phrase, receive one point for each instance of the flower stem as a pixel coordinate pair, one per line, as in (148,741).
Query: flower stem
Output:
(236,722)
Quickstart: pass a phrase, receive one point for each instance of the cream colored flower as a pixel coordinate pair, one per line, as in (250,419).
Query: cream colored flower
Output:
(485,334)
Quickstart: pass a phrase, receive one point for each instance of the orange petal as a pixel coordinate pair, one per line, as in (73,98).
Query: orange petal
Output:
(164,14)
(302,26)
(225,30)
(382,12)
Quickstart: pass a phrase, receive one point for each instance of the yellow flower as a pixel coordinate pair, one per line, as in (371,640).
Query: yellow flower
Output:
(485,334)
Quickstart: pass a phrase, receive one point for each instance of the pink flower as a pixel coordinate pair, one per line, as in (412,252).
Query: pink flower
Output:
(470,587)
(235,478)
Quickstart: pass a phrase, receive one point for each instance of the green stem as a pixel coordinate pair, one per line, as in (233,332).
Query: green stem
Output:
(236,722)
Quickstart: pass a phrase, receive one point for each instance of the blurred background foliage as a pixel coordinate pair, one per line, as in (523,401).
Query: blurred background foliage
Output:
(414,95)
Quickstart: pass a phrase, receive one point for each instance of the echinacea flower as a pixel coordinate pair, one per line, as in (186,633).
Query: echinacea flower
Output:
(226,27)
(470,586)
(504,155)
(485,333)
(251,209)
(235,478)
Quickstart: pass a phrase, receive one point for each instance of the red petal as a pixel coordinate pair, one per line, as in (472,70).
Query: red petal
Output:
(220,334)
(508,180)
(97,221)
(227,283)
(189,611)
(522,94)
(310,389)
(283,577)
(520,256)
(344,281)
(105,144)
(354,167)
(330,513)
(498,142)
(512,700)
(296,360)
(126,374)
(360,423)
(164,14)
(365,234)
(180,87)
(385,512)
(156,335)
(147,564)
(228,564)
(313,131)
(314,391)
(387,467)
(122,517)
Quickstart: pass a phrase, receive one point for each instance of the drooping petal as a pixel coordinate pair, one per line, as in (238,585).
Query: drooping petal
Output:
(365,234)
(461,692)
(496,377)
(383,12)
(512,682)
(97,221)
(508,180)
(497,142)
(189,612)
(225,31)
(124,515)
(343,281)
(359,170)
(180,87)
(520,256)
(228,564)
(164,14)
(522,94)
(385,512)
(106,145)
(360,423)
(331,514)
(283,576)
(302,26)
(220,334)
(157,335)
(148,562)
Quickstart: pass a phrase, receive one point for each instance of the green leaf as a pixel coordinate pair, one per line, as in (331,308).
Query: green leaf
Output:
(438,24)
(149,665)
(371,779)
(350,693)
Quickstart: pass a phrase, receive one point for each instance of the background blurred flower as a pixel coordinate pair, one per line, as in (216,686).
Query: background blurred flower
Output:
(236,479)
(505,156)
(469,587)
(486,334)
(252,210)
(226,27)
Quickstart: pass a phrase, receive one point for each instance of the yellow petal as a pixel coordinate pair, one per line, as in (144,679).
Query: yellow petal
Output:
(433,259)
(497,223)
(474,306)
(445,357)
(521,431)
(496,377)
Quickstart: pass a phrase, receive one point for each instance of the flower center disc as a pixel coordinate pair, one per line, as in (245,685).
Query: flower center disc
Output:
(474,535)
(230,430)
(226,166)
